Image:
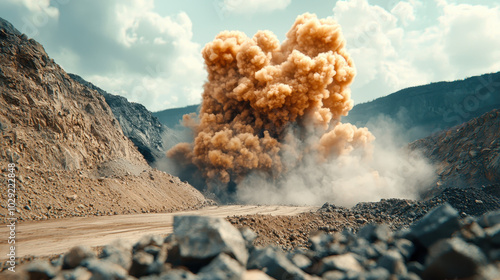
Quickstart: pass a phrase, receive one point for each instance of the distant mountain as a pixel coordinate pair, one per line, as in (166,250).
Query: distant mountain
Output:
(467,155)
(423,110)
(417,111)
(173,117)
(137,123)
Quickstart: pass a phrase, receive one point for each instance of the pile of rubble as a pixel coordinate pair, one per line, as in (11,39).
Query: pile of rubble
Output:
(291,232)
(441,245)
(465,155)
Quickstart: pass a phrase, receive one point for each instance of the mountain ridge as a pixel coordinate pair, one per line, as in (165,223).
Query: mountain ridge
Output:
(426,109)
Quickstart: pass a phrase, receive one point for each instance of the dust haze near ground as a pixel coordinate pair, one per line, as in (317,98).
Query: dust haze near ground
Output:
(270,130)
(390,172)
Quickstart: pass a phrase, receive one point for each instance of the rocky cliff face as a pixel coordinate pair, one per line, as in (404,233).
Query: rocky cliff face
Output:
(47,119)
(423,110)
(137,123)
(467,155)
(71,156)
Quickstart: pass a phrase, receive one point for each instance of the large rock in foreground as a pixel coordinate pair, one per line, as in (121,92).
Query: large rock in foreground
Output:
(203,238)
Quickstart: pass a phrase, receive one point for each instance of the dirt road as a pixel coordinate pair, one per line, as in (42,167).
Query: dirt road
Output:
(57,236)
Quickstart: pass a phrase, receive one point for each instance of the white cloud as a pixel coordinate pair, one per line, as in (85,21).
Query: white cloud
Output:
(393,49)
(404,12)
(124,47)
(471,37)
(172,73)
(253,6)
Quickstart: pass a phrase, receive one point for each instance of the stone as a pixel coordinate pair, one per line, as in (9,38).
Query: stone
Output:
(275,264)
(493,234)
(222,267)
(334,275)
(494,255)
(489,219)
(415,267)
(393,262)
(410,276)
(336,248)
(148,240)
(172,274)
(472,232)
(439,223)
(345,263)
(153,251)
(405,247)
(140,264)
(320,242)
(76,255)
(376,274)
(117,253)
(248,235)
(301,261)
(79,273)
(40,270)
(363,248)
(206,237)
(255,275)
(104,270)
(373,232)
(453,258)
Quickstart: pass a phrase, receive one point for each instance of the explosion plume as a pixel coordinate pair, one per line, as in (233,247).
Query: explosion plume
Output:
(266,106)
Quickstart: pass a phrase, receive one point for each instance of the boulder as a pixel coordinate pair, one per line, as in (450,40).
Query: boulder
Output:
(222,267)
(438,224)
(204,238)
(104,270)
(117,253)
(76,255)
(453,258)
(393,262)
(345,263)
(275,264)
(41,270)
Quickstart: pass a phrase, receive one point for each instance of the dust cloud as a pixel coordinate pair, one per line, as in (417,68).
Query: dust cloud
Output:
(269,128)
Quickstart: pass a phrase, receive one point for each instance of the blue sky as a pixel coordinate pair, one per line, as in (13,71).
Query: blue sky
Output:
(149,51)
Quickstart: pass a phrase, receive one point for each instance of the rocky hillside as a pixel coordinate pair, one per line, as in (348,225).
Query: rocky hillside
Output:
(48,120)
(423,110)
(71,155)
(466,155)
(136,122)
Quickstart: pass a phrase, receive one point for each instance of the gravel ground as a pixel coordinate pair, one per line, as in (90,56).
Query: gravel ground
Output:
(294,231)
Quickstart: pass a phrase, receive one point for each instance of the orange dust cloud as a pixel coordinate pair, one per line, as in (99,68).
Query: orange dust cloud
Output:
(259,93)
